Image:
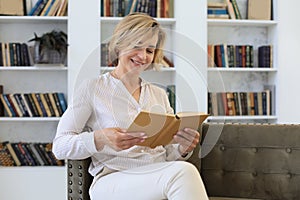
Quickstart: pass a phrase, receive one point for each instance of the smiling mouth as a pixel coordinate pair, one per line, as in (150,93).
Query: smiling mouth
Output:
(137,62)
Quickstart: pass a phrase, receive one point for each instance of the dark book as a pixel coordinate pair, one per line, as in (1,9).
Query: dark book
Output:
(243,96)
(51,109)
(41,153)
(14,105)
(45,104)
(8,106)
(31,154)
(36,103)
(1,56)
(62,101)
(26,155)
(59,108)
(21,105)
(265,56)
(19,154)
(46,155)
(42,106)
(53,104)
(31,104)
(25,56)
(35,152)
(1,103)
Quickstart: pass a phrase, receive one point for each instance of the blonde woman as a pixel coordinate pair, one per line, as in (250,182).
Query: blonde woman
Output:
(94,125)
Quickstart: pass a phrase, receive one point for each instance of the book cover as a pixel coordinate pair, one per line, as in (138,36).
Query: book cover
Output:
(259,9)
(160,128)
(5,157)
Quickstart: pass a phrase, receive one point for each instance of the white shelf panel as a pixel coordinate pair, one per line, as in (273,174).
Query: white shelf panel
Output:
(115,20)
(236,69)
(33,182)
(34,68)
(29,119)
(237,118)
(230,22)
(166,69)
(33,19)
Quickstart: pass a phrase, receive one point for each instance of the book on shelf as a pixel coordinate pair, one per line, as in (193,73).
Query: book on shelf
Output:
(155,8)
(229,55)
(230,9)
(1,103)
(160,128)
(27,154)
(242,103)
(265,56)
(14,54)
(12,7)
(259,9)
(236,9)
(6,158)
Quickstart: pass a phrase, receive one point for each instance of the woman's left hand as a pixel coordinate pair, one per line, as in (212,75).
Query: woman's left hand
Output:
(187,139)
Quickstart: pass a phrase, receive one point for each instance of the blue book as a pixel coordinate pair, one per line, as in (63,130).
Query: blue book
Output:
(62,101)
(35,7)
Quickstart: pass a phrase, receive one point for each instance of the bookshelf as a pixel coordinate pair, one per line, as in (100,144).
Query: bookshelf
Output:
(239,79)
(31,182)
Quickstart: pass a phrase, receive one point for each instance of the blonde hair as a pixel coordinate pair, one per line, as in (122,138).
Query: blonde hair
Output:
(130,30)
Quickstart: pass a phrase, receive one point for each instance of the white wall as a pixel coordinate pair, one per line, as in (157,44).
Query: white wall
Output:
(288,93)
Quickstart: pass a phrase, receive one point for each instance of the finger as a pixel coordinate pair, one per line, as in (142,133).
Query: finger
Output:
(136,135)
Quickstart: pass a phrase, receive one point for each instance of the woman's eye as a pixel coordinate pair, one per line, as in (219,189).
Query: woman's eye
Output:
(150,51)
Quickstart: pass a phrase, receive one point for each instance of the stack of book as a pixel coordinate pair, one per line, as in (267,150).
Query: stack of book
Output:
(51,104)
(27,154)
(240,103)
(217,10)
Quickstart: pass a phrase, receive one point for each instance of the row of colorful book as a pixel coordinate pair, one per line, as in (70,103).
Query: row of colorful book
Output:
(49,8)
(229,55)
(14,54)
(240,103)
(51,104)
(27,154)
(120,8)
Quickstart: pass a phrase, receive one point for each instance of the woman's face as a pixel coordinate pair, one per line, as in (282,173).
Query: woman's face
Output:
(139,57)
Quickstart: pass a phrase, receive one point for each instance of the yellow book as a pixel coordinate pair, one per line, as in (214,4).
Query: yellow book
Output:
(160,128)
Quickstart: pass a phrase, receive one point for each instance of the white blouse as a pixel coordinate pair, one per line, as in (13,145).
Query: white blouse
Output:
(102,103)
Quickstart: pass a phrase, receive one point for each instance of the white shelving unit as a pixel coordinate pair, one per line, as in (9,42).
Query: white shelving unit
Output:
(26,182)
(243,32)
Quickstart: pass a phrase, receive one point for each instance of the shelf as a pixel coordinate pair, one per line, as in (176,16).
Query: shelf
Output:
(29,119)
(34,68)
(230,22)
(167,69)
(237,118)
(237,69)
(163,21)
(33,19)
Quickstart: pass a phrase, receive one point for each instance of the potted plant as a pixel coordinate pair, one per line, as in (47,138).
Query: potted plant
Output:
(51,47)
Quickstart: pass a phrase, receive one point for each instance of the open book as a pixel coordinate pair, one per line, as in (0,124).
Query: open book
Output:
(160,128)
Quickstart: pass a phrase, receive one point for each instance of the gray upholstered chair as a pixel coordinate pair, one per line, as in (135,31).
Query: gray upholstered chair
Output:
(248,161)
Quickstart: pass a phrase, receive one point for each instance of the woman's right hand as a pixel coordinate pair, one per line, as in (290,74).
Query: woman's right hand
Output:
(117,138)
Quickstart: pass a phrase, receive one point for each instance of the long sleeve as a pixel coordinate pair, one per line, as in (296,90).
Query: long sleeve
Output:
(72,141)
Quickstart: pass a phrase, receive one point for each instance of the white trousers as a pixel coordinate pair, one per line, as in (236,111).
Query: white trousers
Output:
(177,180)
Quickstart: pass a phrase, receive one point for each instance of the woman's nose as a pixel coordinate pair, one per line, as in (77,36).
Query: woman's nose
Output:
(142,53)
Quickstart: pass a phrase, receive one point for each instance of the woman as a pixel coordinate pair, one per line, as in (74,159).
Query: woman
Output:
(94,125)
